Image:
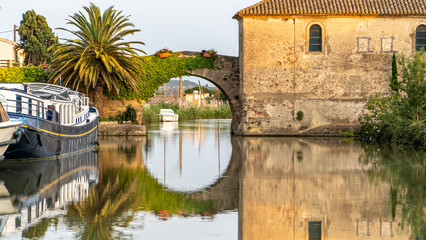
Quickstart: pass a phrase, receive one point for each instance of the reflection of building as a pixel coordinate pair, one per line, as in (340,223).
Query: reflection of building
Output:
(40,187)
(311,189)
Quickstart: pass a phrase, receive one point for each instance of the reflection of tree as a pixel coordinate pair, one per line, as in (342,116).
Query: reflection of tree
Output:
(39,229)
(404,169)
(129,151)
(157,198)
(122,192)
(107,203)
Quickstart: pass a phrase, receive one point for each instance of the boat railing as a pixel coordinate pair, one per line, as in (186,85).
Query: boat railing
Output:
(38,110)
(61,111)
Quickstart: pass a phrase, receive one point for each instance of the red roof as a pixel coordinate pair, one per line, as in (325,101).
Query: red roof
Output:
(335,7)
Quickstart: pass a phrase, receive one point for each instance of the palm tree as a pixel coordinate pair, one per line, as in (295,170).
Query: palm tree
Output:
(99,56)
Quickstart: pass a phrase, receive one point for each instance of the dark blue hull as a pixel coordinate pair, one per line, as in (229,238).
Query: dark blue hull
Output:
(43,139)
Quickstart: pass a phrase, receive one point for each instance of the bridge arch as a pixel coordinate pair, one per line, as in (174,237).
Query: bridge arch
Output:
(226,76)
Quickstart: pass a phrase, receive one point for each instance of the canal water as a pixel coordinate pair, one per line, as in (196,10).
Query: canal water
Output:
(193,180)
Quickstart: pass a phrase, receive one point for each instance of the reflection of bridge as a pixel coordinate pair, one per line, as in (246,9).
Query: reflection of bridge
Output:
(225,191)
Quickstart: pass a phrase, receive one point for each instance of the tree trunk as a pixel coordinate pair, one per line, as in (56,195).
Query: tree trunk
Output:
(98,100)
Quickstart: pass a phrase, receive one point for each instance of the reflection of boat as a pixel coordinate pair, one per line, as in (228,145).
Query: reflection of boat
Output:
(167,115)
(56,120)
(169,126)
(42,187)
(9,133)
(6,206)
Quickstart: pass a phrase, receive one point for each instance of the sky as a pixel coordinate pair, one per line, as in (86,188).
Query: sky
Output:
(185,25)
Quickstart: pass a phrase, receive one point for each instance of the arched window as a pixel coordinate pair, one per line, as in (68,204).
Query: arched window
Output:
(421,37)
(315,38)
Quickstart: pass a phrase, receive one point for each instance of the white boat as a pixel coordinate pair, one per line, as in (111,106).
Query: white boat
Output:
(9,131)
(167,115)
(55,120)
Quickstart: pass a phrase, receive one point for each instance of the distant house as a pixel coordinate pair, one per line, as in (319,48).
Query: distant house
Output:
(195,98)
(10,53)
(320,58)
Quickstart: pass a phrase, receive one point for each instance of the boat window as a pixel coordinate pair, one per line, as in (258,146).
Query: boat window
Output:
(42,108)
(18,103)
(30,107)
(38,109)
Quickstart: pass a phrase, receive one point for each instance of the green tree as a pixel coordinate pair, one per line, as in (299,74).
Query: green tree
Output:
(413,84)
(394,78)
(36,38)
(98,57)
(399,117)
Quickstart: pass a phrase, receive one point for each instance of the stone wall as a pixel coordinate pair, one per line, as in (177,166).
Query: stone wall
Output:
(114,107)
(279,77)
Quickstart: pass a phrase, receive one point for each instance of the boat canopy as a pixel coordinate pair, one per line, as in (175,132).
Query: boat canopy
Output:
(49,91)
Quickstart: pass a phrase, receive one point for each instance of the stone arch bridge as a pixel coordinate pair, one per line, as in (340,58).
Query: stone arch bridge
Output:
(225,76)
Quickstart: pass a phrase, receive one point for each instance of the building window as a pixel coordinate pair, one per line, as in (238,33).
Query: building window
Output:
(421,37)
(315,230)
(387,44)
(315,38)
(363,45)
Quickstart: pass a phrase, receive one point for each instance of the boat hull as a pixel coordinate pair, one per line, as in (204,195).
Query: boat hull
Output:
(169,118)
(43,139)
(7,135)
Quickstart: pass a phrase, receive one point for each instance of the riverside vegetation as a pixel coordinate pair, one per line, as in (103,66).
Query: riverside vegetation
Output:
(400,115)
(149,114)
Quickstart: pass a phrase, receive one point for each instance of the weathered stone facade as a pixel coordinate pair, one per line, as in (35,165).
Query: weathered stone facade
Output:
(280,76)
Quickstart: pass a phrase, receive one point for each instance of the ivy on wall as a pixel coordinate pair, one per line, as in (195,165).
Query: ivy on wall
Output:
(158,71)
(23,74)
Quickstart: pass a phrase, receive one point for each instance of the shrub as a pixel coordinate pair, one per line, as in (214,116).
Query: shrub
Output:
(23,74)
(399,116)
(299,115)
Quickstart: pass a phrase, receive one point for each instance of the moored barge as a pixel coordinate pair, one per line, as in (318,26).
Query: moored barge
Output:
(55,120)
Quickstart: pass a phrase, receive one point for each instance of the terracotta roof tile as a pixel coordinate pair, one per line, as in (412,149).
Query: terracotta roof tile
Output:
(335,7)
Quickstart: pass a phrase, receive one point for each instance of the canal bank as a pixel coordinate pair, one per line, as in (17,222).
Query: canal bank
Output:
(125,129)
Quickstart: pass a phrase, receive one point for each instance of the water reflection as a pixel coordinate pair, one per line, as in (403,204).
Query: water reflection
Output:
(404,168)
(195,181)
(327,189)
(42,188)
(193,154)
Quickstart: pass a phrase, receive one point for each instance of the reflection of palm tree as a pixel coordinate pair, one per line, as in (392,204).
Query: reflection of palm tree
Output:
(405,170)
(120,194)
(106,203)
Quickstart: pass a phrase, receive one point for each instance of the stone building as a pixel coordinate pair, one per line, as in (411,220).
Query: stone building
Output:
(319,60)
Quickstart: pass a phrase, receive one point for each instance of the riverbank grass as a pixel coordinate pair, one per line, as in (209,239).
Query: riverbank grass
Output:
(150,114)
